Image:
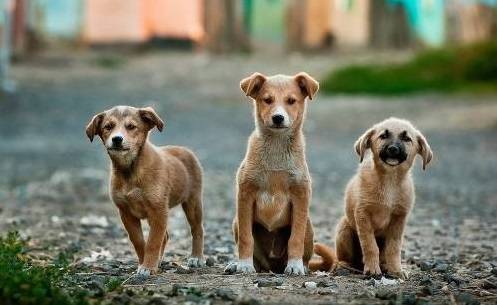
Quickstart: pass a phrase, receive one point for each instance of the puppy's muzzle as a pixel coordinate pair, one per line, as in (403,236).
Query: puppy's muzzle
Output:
(117,143)
(393,154)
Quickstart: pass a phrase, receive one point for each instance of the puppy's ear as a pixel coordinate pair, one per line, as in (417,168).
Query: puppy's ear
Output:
(364,143)
(150,117)
(424,150)
(308,85)
(252,84)
(93,128)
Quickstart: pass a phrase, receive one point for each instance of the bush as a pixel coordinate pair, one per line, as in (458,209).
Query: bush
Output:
(23,283)
(434,70)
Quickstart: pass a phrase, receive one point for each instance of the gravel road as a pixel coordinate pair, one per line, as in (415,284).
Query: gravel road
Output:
(53,186)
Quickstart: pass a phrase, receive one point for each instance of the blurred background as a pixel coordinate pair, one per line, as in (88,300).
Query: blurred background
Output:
(433,62)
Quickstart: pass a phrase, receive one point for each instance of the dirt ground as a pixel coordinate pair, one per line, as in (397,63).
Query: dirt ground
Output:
(53,186)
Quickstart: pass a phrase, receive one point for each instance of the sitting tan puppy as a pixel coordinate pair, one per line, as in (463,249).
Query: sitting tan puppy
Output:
(272,228)
(379,197)
(146,181)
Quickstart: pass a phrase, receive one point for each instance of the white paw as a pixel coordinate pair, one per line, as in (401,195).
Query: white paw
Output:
(241,266)
(142,271)
(295,267)
(196,262)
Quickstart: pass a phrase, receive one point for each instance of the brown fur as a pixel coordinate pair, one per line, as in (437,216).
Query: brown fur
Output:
(272,227)
(378,200)
(145,181)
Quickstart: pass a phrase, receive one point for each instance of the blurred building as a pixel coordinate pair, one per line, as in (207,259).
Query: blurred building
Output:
(227,25)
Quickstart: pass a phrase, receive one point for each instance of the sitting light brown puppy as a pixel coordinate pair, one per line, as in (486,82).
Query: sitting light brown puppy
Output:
(379,198)
(146,181)
(272,228)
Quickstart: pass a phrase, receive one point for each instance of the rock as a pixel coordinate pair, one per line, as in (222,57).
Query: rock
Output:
(327,284)
(426,290)
(341,271)
(96,287)
(269,282)
(441,268)
(466,299)
(385,294)
(454,279)
(94,221)
(310,285)
(425,280)
(408,299)
(210,262)
(157,301)
(246,300)
(426,265)
(225,294)
(183,270)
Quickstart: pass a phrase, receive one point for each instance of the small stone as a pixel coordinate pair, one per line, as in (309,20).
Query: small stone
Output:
(426,265)
(225,294)
(466,299)
(210,262)
(425,280)
(327,284)
(310,285)
(342,272)
(246,300)
(269,282)
(426,290)
(384,294)
(183,270)
(441,268)
(454,279)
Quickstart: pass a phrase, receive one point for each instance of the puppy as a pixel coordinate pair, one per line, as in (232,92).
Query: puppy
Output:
(145,181)
(272,228)
(379,198)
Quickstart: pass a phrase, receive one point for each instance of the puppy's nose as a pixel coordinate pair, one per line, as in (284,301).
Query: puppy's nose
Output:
(278,119)
(393,150)
(117,140)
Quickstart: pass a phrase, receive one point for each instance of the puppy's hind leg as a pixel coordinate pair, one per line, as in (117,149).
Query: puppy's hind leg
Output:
(348,249)
(193,212)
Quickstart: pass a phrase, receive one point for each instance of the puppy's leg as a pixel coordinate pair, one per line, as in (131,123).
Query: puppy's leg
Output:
(300,195)
(348,248)
(370,251)
(134,228)
(157,220)
(193,212)
(244,238)
(393,245)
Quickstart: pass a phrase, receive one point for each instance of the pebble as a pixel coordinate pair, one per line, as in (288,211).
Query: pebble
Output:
(441,268)
(269,282)
(342,272)
(385,294)
(466,299)
(426,265)
(310,285)
(210,262)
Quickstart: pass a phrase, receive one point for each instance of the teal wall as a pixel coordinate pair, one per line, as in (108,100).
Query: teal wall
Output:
(57,18)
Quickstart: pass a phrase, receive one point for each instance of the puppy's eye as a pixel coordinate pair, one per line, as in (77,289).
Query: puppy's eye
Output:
(130,127)
(290,101)
(406,139)
(384,135)
(268,100)
(108,127)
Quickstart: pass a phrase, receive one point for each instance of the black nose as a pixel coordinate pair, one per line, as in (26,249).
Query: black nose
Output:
(117,140)
(278,119)
(393,150)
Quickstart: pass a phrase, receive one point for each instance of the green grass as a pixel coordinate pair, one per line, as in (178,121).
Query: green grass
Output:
(25,283)
(470,68)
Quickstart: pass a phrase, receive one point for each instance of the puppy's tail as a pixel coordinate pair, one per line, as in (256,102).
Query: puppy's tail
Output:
(328,260)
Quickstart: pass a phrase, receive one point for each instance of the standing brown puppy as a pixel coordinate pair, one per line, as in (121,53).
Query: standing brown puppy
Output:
(379,198)
(272,228)
(146,181)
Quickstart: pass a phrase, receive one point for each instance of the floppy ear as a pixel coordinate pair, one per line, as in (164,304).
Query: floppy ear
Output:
(150,117)
(308,85)
(424,150)
(252,84)
(363,143)
(93,128)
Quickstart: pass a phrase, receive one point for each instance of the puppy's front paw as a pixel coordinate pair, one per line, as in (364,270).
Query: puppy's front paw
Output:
(196,262)
(295,267)
(397,272)
(372,269)
(143,271)
(241,266)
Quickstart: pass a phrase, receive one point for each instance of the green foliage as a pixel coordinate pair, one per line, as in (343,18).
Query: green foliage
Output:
(435,70)
(24,283)
(113,283)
